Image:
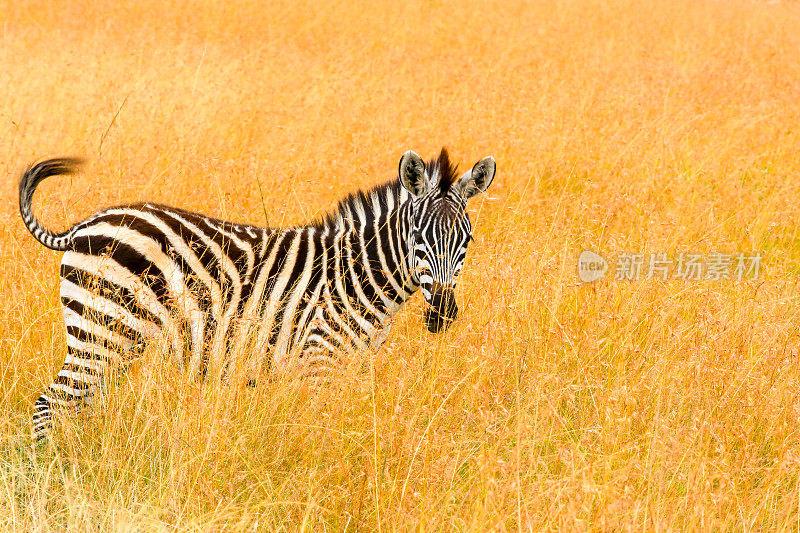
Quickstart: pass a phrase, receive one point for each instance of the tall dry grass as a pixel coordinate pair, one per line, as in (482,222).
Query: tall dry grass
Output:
(618,126)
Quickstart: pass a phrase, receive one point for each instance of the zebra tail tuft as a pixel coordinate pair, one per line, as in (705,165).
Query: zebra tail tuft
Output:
(27,185)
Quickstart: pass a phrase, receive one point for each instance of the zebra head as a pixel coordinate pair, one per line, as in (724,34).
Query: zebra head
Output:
(438,229)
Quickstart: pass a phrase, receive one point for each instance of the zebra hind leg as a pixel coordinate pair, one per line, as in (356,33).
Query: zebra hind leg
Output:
(74,387)
(94,348)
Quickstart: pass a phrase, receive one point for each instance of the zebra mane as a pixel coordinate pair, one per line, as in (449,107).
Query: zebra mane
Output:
(361,208)
(447,171)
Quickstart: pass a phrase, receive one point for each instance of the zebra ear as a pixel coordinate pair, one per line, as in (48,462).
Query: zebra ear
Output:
(478,179)
(412,174)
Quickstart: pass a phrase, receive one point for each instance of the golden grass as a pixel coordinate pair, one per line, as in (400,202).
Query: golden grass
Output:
(618,126)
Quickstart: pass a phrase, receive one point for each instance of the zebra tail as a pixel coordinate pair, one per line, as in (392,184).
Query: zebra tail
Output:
(27,185)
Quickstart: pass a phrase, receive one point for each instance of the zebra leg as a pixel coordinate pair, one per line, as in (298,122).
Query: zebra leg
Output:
(96,343)
(76,384)
(73,387)
(81,381)
(378,340)
(324,354)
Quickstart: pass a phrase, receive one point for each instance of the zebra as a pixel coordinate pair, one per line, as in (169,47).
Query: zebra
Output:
(223,297)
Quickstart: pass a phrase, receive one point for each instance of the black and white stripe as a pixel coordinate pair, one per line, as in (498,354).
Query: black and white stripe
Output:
(231,299)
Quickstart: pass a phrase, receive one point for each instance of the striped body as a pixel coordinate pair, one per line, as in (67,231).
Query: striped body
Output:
(224,299)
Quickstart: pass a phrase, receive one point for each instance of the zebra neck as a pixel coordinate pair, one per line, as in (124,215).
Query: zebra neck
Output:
(401,219)
(380,263)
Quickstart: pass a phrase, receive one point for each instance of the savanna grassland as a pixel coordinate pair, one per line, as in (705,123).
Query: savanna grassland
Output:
(618,126)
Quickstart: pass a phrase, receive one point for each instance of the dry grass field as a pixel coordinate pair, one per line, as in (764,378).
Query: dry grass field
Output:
(618,126)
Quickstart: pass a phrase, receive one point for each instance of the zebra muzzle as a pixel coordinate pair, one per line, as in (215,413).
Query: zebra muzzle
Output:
(441,310)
